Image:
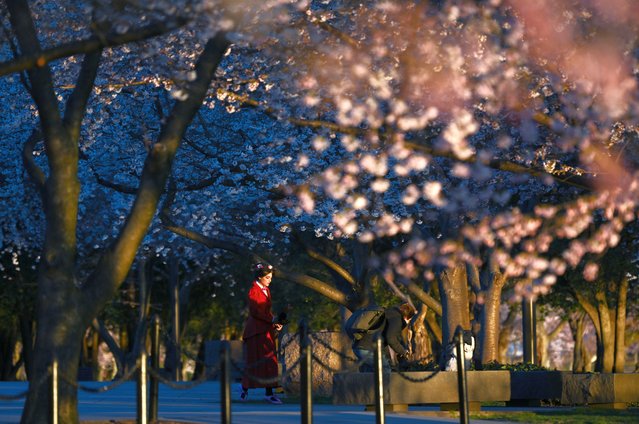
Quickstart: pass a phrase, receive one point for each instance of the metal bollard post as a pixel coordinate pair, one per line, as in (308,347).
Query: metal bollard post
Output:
(529,324)
(54,392)
(379,382)
(155,364)
(142,390)
(225,381)
(461,377)
(306,377)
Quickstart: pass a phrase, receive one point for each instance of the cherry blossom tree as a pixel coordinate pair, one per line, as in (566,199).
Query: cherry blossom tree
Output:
(435,106)
(468,138)
(68,299)
(475,134)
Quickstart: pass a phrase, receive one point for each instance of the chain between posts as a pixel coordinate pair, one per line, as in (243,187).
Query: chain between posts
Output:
(185,385)
(24,393)
(332,349)
(126,377)
(237,367)
(305,361)
(406,377)
(17,396)
(360,362)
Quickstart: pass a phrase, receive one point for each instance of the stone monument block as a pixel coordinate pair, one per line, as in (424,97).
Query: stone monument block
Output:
(331,353)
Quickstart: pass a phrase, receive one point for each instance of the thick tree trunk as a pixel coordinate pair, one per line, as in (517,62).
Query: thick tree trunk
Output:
(507,328)
(492,283)
(594,309)
(490,327)
(543,341)
(577,322)
(65,307)
(620,327)
(544,338)
(58,337)
(607,336)
(422,346)
(453,289)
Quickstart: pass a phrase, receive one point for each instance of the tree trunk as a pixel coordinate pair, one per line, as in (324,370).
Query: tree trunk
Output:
(422,346)
(595,314)
(607,334)
(492,283)
(59,332)
(453,290)
(66,307)
(507,328)
(577,322)
(543,341)
(620,327)
(544,338)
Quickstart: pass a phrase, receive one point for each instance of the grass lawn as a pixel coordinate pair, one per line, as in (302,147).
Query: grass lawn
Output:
(570,415)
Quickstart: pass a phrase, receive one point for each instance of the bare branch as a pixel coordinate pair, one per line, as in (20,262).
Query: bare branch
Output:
(76,105)
(327,262)
(316,285)
(155,174)
(425,298)
(579,181)
(508,166)
(91,44)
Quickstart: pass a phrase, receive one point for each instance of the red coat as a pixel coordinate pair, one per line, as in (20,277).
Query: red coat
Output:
(260,356)
(260,318)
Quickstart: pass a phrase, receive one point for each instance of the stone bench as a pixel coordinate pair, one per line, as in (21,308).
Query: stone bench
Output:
(567,388)
(401,391)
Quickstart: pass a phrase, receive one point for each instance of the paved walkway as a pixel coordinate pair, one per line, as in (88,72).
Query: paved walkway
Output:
(201,404)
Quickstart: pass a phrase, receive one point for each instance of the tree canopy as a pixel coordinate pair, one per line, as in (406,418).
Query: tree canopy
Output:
(482,132)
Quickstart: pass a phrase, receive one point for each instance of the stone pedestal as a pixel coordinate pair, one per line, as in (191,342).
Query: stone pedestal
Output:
(567,388)
(330,351)
(416,388)
(212,357)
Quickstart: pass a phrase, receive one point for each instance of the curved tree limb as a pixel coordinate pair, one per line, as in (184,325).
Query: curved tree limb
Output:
(327,262)
(340,35)
(121,188)
(425,298)
(589,307)
(209,242)
(508,166)
(91,44)
(99,326)
(573,180)
(433,325)
(116,262)
(316,285)
(77,103)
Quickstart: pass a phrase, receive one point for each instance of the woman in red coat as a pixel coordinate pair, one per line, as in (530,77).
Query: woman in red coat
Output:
(260,356)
